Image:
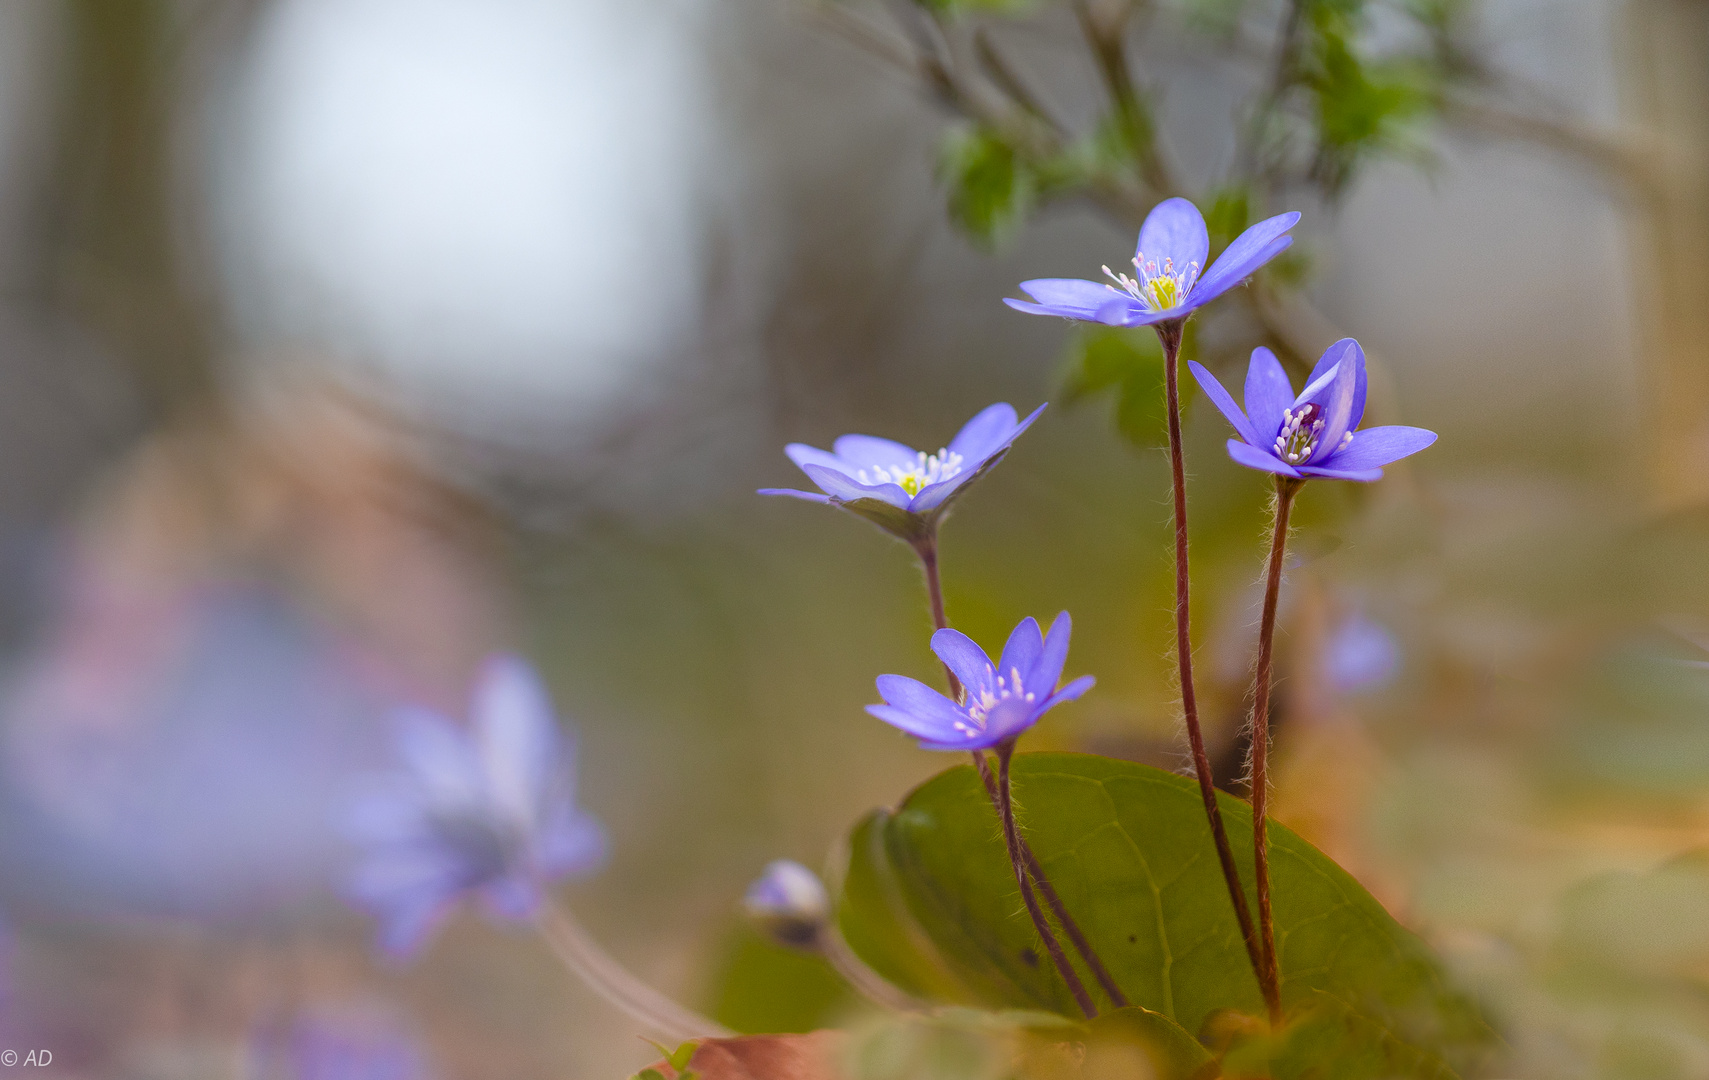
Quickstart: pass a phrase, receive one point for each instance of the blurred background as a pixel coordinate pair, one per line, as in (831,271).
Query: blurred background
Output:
(343,342)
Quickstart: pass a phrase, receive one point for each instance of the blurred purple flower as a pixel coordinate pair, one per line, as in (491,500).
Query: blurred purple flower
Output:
(789,902)
(492,812)
(1360,655)
(1173,245)
(902,490)
(1000,701)
(1312,434)
(335,1047)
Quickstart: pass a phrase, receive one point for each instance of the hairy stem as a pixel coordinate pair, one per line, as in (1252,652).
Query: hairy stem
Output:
(613,982)
(1012,838)
(1169,333)
(1076,937)
(928,551)
(1269,977)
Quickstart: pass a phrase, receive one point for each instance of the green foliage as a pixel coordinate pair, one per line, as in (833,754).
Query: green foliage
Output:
(995,180)
(677,1059)
(1128,364)
(1229,213)
(933,907)
(957,1044)
(766,987)
(996,7)
(1363,108)
(1325,1038)
(992,188)
(1138,1042)
(1216,18)
(1327,104)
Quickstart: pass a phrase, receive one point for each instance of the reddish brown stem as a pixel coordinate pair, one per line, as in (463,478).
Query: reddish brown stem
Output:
(1012,839)
(1269,976)
(1169,334)
(1076,937)
(927,550)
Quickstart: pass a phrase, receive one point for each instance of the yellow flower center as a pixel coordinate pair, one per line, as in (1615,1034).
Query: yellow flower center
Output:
(917,475)
(1157,288)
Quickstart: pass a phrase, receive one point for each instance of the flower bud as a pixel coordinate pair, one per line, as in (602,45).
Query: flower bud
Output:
(789,904)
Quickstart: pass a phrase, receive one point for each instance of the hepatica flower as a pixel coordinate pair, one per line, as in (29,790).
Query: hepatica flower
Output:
(999,702)
(1169,279)
(1362,654)
(902,490)
(789,902)
(1311,434)
(489,810)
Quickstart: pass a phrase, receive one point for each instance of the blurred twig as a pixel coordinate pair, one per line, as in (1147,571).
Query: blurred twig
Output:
(998,96)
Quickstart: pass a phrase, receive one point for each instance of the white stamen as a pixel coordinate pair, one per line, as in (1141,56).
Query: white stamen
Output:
(917,475)
(1156,288)
(1005,689)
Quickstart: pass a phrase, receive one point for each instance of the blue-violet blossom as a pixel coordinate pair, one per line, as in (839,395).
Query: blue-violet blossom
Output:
(902,490)
(1362,654)
(1311,434)
(489,811)
(1167,283)
(789,902)
(999,702)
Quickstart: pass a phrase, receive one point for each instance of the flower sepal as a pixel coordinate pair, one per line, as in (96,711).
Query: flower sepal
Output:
(914,527)
(906,492)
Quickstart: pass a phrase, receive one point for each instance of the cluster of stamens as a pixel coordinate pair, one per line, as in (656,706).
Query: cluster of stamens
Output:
(913,477)
(1297,440)
(989,698)
(1156,288)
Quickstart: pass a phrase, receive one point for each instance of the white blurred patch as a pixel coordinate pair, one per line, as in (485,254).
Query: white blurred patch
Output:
(495,200)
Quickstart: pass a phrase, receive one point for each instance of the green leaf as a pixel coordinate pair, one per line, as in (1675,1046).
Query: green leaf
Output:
(677,1059)
(1129,364)
(991,189)
(1229,214)
(1138,1042)
(1128,848)
(1363,108)
(762,986)
(997,7)
(969,1044)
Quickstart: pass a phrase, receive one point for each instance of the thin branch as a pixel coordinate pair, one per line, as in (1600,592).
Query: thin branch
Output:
(1004,76)
(1107,39)
(1622,161)
(859,32)
(1283,72)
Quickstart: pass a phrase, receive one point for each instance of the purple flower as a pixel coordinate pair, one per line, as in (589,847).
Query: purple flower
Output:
(1360,655)
(789,902)
(490,811)
(1000,700)
(1312,434)
(1167,284)
(902,490)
